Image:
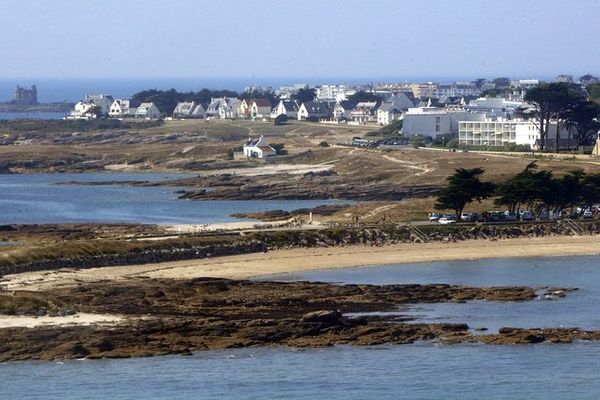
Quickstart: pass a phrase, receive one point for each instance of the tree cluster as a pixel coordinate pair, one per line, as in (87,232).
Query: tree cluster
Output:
(530,189)
(564,104)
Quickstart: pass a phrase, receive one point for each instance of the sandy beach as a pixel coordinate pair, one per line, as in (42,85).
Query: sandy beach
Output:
(298,260)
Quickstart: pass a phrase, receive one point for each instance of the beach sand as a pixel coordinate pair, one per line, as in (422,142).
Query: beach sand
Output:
(298,260)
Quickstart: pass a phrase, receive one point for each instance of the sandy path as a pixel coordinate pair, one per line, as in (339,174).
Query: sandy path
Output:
(298,260)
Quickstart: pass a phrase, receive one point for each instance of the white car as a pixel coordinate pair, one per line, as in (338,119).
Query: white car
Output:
(446,220)
(587,214)
(433,217)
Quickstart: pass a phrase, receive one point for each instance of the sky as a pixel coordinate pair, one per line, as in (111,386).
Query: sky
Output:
(150,39)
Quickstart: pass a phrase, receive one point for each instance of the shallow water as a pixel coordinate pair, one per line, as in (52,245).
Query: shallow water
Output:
(420,371)
(579,308)
(36,199)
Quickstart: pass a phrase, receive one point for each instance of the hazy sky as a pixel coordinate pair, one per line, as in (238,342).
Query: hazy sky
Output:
(366,38)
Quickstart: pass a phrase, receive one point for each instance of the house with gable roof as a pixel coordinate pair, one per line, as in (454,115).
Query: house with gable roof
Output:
(147,111)
(365,112)
(258,148)
(260,108)
(343,110)
(286,107)
(184,109)
(314,110)
(393,109)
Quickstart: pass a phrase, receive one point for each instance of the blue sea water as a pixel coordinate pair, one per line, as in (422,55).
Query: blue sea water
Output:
(31,115)
(417,371)
(72,90)
(36,199)
(420,371)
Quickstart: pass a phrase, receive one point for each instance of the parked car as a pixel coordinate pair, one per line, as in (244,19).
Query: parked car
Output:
(433,217)
(587,214)
(543,215)
(527,215)
(466,217)
(511,215)
(475,217)
(495,216)
(447,220)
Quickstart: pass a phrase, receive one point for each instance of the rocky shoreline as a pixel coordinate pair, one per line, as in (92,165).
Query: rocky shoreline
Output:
(185,316)
(204,246)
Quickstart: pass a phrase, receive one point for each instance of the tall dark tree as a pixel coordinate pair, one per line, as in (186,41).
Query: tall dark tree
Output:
(464,187)
(551,101)
(565,97)
(584,118)
(530,188)
(362,95)
(255,93)
(501,83)
(304,94)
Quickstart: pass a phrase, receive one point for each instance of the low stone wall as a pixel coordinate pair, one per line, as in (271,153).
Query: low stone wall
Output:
(263,241)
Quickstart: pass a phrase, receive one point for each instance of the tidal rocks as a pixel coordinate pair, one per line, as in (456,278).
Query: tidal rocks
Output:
(179,317)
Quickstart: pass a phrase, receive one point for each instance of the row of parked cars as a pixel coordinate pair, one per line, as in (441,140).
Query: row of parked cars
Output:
(511,216)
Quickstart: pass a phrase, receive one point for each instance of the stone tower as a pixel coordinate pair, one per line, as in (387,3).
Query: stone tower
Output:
(25,96)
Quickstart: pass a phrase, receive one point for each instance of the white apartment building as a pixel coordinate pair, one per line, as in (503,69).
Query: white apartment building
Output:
(505,132)
(457,89)
(331,92)
(433,122)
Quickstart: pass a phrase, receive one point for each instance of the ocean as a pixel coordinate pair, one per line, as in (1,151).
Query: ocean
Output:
(72,90)
(417,371)
(37,199)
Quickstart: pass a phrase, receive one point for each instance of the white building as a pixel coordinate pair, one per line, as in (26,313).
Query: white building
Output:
(524,83)
(457,89)
(494,106)
(506,132)
(286,107)
(224,108)
(314,110)
(86,108)
(365,112)
(393,109)
(121,108)
(433,122)
(147,111)
(260,108)
(331,92)
(199,110)
(258,148)
(184,109)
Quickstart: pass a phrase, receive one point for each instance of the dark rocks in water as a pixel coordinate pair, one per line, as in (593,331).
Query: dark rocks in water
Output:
(325,316)
(4,169)
(183,316)
(327,172)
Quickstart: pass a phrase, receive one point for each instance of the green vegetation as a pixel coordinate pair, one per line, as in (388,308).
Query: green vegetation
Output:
(281,119)
(166,100)
(464,187)
(362,95)
(304,94)
(594,91)
(392,129)
(553,102)
(279,149)
(530,189)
